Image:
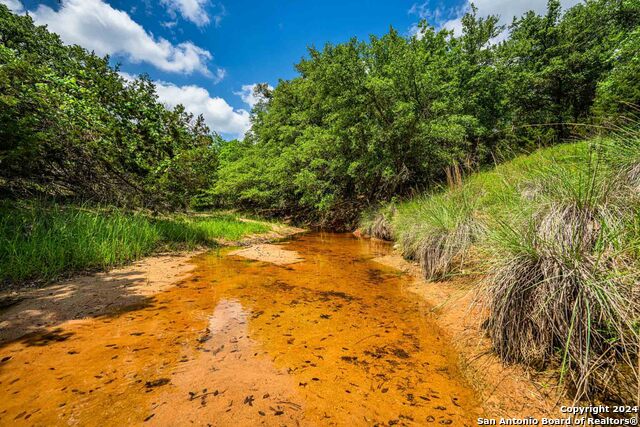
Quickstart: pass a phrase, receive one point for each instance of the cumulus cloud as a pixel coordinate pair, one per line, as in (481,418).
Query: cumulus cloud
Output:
(218,114)
(451,18)
(248,96)
(97,26)
(13,5)
(191,10)
(196,11)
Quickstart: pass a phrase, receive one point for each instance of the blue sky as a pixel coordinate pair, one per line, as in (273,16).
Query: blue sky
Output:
(206,54)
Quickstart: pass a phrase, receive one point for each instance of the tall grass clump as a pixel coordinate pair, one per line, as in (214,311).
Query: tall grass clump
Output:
(623,156)
(206,229)
(378,223)
(43,241)
(439,230)
(563,282)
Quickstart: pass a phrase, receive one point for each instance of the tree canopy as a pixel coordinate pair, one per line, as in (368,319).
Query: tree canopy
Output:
(366,121)
(71,126)
(363,122)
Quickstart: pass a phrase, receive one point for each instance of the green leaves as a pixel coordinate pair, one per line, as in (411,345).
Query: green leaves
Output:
(70,126)
(365,121)
(619,93)
(354,128)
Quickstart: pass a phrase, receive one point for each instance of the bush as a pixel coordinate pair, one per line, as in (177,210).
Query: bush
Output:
(563,283)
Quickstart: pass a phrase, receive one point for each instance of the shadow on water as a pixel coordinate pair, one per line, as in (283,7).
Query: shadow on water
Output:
(332,340)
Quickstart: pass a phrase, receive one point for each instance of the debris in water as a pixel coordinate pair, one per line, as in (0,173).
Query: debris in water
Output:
(157,383)
(205,337)
(398,352)
(350,359)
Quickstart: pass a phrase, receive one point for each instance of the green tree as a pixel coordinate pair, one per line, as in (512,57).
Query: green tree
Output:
(71,127)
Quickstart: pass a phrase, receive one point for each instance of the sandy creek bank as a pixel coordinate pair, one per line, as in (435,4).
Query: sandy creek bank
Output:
(327,335)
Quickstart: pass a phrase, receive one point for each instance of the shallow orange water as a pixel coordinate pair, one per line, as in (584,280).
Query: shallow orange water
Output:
(332,340)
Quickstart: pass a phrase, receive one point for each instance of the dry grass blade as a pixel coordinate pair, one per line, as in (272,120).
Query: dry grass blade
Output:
(379,225)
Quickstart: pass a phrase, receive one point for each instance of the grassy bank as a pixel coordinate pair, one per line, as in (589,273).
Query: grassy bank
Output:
(42,242)
(555,237)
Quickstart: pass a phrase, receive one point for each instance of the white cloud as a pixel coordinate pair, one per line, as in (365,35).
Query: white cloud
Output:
(196,11)
(248,96)
(222,12)
(97,26)
(169,24)
(127,76)
(219,115)
(451,19)
(220,74)
(192,10)
(455,25)
(13,5)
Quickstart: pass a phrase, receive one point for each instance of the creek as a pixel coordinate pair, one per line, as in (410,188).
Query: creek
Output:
(334,339)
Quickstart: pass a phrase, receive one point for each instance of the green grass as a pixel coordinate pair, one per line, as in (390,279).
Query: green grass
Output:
(43,242)
(556,236)
(483,200)
(205,229)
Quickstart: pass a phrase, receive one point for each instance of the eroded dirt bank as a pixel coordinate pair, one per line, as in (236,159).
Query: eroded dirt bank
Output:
(92,295)
(333,338)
